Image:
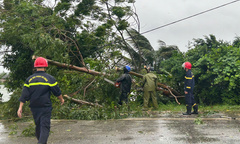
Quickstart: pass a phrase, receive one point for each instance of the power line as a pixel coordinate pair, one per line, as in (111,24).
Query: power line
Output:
(189,17)
(176,21)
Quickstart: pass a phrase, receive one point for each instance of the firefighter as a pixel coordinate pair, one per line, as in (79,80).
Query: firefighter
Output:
(125,85)
(188,90)
(149,88)
(37,89)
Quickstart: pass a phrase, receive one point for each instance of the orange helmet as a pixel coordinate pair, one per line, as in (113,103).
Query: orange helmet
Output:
(40,62)
(187,65)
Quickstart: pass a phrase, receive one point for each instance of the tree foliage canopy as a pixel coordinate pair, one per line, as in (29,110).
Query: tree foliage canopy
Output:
(216,67)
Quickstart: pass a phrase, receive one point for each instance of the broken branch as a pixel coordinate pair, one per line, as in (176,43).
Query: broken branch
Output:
(82,102)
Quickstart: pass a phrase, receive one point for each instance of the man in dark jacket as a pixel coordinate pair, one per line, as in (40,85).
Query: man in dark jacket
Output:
(125,85)
(37,89)
(188,90)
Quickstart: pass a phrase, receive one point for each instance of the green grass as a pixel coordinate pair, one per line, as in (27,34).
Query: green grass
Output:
(222,108)
(203,110)
(109,112)
(216,108)
(171,107)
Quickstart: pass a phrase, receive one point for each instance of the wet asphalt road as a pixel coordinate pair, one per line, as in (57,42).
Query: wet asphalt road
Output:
(164,130)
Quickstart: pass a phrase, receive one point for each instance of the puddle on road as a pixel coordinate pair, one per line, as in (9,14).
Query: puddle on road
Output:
(189,132)
(3,133)
(215,130)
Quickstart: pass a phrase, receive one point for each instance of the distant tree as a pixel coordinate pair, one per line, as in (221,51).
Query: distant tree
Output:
(164,53)
(171,71)
(216,66)
(140,49)
(236,42)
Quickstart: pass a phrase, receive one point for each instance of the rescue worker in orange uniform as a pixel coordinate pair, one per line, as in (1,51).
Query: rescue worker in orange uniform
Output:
(188,90)
(37,89)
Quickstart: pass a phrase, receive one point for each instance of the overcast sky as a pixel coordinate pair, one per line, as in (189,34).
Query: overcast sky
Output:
(224,22)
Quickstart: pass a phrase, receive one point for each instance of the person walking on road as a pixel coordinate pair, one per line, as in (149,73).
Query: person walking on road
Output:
(149,88)
(125,85)
(37,89)
(188,90)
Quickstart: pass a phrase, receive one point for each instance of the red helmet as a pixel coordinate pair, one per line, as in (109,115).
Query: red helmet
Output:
(187,65)
(40,62)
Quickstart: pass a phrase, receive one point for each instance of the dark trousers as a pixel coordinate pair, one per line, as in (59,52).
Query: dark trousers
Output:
(42,119)
(189,99)
(123,98)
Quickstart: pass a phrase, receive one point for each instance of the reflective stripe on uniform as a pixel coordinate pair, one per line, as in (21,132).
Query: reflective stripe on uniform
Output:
(40,83)
(188,87)
(189,77)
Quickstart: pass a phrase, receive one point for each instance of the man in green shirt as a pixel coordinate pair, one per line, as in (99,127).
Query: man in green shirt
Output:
(149,88)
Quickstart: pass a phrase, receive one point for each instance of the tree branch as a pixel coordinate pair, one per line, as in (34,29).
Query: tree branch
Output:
(82,102)
(87,87)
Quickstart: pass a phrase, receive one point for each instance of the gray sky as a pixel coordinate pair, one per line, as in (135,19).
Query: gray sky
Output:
(224,22)
(2,69)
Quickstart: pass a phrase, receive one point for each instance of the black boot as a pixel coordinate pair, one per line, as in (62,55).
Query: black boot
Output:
(195,109)
(189,108)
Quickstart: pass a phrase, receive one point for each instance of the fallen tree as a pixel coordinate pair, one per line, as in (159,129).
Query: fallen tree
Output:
(161,87)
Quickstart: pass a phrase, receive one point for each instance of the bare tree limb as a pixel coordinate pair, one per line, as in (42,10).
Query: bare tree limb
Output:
(87,87)
(173,95)
(74,42)
(82,102)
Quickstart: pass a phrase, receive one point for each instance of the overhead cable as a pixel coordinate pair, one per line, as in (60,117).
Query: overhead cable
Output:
(189,17)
